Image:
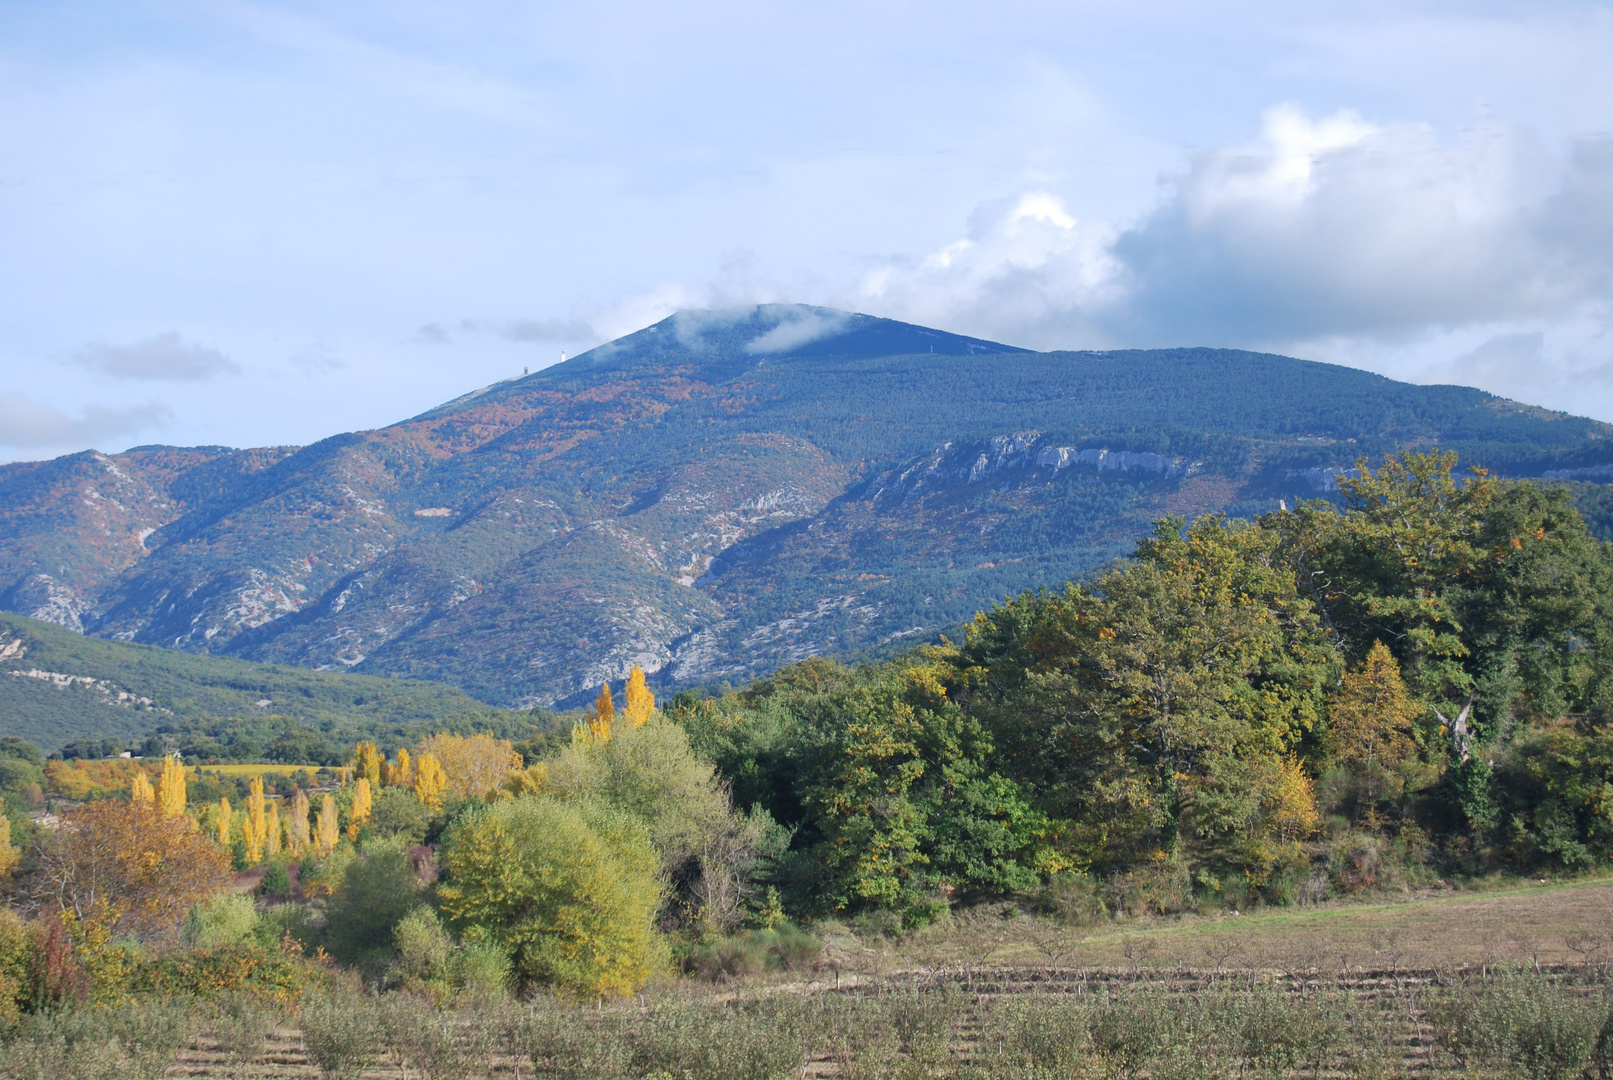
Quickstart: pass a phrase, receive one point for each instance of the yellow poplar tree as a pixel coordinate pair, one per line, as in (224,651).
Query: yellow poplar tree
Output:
(274,829)
(327,826)
(472,764)
(222,821)
(367,762)
(140,792)
(359,812)
(639,702)
(430,782)
(403,771)
(171,787)
(255,829)
(603,716)
(298,825)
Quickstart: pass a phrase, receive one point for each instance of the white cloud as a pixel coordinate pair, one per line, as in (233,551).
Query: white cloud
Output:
(166,356)
(797,330)
(1330,227)
(26,424)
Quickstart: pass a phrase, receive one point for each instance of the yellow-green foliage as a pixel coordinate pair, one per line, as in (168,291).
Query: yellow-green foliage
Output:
(568,889)
(651,772)
(228,919)
(16,947)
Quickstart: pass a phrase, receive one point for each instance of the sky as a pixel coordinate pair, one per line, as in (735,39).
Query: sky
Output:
(250,223)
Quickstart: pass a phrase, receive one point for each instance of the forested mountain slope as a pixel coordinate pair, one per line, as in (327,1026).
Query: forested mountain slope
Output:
(711,497)
(57,687)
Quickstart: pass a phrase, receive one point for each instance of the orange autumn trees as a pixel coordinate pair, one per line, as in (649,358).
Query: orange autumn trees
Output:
(128,868)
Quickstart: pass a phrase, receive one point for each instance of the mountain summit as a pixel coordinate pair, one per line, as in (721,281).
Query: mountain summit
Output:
(710,497)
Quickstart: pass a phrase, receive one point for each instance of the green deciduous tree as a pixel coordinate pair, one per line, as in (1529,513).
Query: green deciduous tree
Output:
(568,888)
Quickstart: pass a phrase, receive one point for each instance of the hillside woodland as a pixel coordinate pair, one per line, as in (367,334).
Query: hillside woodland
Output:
(1321,702)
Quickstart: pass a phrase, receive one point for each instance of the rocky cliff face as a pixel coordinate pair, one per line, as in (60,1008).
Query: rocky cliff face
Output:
(710,498)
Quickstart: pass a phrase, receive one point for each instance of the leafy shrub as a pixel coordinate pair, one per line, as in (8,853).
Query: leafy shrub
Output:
(759,1041)
(227,919)
(1072,899)
(341,1032)
(396,813)
(430,961)
(567,889)
(783,948)
(378,888)
(1539,1027)
(206,973)
(276,880)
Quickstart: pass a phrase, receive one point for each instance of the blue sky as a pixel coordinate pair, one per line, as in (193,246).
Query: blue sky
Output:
(252,223)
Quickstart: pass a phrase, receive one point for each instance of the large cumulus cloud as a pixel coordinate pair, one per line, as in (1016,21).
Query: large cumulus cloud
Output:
(1317,229)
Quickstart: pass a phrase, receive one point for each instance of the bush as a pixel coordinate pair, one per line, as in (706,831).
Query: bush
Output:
(784,948)
(341,1032)
(431,962)
(651,773)
(276,880)
(205,973)
(228,919)
(397,814)
(567,889)
(377,890)
(1541,1028)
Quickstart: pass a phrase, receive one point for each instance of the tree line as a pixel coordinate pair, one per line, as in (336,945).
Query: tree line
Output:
(1413,684)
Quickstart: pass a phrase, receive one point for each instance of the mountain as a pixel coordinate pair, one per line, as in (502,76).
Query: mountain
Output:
(711,497)
(58,687)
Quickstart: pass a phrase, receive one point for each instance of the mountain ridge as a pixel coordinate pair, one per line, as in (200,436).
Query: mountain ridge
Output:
(708,498)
